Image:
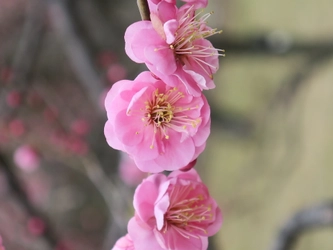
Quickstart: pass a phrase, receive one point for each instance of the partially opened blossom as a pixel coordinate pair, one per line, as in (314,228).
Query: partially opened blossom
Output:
(160,127)
(124,243)
(173,45)
(174,212)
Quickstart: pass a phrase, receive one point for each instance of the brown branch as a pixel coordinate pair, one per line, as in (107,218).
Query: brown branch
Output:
(144,9)
(76,51)
(98,32)
(27,51)
(314,217)
(28,47)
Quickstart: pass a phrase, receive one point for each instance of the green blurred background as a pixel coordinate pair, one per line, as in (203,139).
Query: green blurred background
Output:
(276,156)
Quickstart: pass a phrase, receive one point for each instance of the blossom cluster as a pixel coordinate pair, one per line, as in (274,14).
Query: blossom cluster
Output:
(161,120)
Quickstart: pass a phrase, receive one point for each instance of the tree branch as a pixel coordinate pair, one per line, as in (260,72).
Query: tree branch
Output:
(76,51)
(144,9)
(310,218)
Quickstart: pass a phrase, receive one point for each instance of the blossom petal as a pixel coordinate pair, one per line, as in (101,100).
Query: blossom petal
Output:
(142,236)
(170,28)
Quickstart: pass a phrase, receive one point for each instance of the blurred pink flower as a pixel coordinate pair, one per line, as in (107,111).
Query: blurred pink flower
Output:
(13,99)
(2,247)
(116,72)
(173,45)
(128,171)
(174,212)
(36,226)
(6,75)
(160,127)
(80,127)
(26,158)
(124,243)
(16,127)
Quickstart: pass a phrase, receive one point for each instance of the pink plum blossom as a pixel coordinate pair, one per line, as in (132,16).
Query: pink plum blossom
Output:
(124,243)
(26,158)
(160,127)
(173,212)
(173,45)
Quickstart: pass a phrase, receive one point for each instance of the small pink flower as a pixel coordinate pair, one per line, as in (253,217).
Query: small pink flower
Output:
(173,45)
(174,212)
(129,172)
(160,127)
(26,158)
(124,243)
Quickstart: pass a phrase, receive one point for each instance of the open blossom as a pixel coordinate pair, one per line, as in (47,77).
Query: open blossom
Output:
(174,212)
(124,243)
(173,45)
(160,127)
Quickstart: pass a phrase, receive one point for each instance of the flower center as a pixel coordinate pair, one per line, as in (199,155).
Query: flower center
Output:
(188,216)
(162,112)
(186,49)
(159,110)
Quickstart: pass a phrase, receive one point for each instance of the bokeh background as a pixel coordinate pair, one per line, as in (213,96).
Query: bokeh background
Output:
(270,150)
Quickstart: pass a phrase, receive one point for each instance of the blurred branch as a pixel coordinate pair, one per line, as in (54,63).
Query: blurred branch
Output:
(304,220)
(273,43)
(28,47)
(289,89)
(27,51)
(14,182)
(144,9)
(114,195)
(99,33)
(76,51)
